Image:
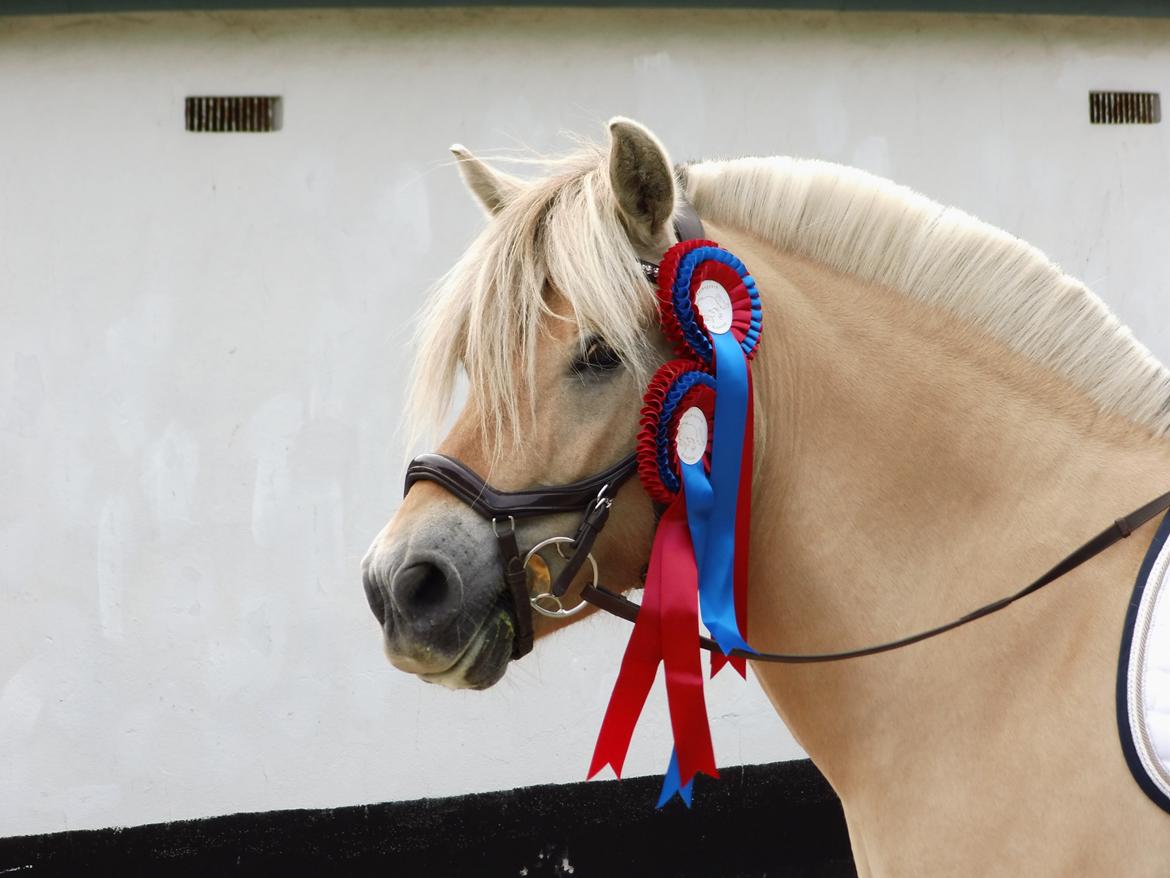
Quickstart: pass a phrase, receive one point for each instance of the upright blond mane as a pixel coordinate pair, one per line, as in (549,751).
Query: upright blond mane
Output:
(563,231)
(869,227)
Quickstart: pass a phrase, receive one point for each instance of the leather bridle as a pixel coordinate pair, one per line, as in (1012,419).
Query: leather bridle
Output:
(593,496)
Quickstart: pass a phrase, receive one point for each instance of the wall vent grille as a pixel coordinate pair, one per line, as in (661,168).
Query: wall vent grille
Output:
(243,113)
(1125,107)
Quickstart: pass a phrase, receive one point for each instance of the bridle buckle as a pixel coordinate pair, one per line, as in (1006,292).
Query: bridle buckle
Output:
(496,528)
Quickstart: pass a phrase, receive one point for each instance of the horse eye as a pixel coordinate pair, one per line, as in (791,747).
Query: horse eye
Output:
(597,358)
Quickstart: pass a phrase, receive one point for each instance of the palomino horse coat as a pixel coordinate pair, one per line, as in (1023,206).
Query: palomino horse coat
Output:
(941,415)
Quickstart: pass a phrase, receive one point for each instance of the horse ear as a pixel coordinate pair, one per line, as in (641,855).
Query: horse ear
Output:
(641,177)
(492,189)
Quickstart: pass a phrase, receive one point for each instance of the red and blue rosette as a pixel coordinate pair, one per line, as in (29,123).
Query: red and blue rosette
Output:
(677,415)
(694,457)
(681,275)
(710,308)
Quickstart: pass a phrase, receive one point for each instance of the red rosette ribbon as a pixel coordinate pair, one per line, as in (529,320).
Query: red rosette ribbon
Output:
(667,627)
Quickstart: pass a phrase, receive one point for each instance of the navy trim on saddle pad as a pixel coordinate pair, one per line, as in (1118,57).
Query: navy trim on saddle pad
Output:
(1125,731)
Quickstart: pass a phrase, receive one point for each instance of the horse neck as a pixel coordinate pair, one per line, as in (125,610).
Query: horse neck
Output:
(913,469)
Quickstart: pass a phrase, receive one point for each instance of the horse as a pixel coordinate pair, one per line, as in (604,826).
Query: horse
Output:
(940,412)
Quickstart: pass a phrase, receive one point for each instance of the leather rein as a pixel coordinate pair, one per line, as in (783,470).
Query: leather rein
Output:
(593,496)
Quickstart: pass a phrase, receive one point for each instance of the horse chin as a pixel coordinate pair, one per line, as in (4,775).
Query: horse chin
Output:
(483,662)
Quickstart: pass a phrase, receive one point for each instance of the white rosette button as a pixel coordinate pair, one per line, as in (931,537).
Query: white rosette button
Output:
(714,305)
(691,439)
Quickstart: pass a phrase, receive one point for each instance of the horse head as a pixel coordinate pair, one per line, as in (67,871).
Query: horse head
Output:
(551,319)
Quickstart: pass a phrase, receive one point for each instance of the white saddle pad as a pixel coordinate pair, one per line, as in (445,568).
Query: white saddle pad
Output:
(1143,674)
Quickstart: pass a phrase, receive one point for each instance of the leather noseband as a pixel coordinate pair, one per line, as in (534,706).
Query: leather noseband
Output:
(592,495)
(470,487)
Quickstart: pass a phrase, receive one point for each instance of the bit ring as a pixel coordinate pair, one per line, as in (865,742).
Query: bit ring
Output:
(553,607)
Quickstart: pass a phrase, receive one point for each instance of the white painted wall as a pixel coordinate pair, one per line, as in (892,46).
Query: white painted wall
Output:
(202,351)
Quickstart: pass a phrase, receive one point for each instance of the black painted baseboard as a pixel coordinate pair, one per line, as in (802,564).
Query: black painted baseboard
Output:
(778,819)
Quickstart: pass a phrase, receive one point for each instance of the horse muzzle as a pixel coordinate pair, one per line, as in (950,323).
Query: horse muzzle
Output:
(441,609)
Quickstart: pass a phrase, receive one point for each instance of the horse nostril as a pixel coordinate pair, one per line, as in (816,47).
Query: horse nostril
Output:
(419,587)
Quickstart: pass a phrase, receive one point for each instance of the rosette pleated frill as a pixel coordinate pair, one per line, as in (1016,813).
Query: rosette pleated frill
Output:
(694,457)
